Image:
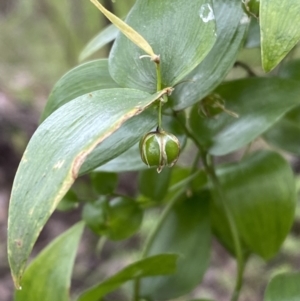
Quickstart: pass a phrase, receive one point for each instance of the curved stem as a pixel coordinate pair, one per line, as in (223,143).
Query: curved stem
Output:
(208,165)
(159,121)
(158,88)
(158,77)
(153,234)
(160,221)
(155,230)
(210,170)
(250,72)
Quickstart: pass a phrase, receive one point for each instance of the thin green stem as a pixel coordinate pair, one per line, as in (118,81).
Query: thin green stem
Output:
(185,181)
(161,219)
(209,167)
(159,121)
(250,72)
(210,170)
(158,88)
(153,234)
(158,77)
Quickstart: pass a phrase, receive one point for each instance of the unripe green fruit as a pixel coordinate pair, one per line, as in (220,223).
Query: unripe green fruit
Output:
(117,219)
(159,149)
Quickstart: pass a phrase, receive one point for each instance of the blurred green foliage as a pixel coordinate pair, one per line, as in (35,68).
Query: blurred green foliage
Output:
(41,39)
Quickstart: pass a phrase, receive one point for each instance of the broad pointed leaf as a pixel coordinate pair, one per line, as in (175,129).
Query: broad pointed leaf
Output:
(181,32)
(284,287)
(54,156)
(185,231)
(285,134)
(232,24)
(107,35)
(162,264)
(81,80)
(279,27)
(291,70)
(260,192)
(127,30)
(259,102)
(48,277)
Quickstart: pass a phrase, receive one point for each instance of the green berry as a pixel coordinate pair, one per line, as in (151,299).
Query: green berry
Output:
(159,149)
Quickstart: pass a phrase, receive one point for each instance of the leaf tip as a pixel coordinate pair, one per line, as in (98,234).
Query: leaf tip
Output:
(17,281)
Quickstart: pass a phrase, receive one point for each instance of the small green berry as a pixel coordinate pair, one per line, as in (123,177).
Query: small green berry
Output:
(160,149)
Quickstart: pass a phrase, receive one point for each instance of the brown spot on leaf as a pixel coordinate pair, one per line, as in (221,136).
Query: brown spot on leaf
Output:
(19,243)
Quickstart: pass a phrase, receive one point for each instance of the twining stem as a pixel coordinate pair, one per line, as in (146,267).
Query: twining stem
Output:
(210,170)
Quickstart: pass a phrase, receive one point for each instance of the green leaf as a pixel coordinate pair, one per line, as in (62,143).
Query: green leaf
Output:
(154,185)
(107,35)
(81,80)
(285,134)
(279,28)
(53,158)
(186,231)
(48,277)
(186,34)
(291,70)
(127,30)
(221,229)
(232,25)
(260,192)
(162,264)
(259,102)
(128,161)
(104,182)
(284,287)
